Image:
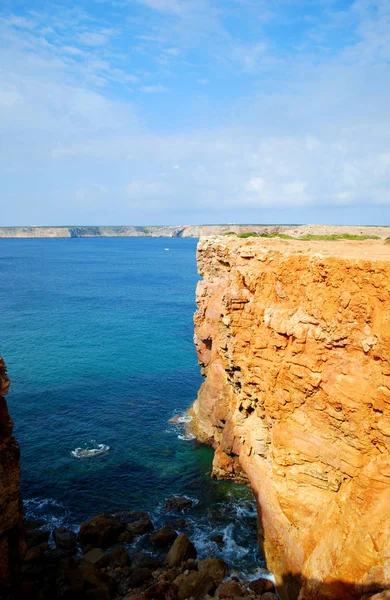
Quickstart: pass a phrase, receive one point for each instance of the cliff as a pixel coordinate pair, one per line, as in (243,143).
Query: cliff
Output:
(12,543)
(82,231)
(294,342)
(194,231)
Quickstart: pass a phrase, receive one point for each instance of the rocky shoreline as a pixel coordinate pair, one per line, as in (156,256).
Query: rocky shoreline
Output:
(104,560)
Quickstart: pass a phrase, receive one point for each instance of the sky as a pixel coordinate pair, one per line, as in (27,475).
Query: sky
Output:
(136,112)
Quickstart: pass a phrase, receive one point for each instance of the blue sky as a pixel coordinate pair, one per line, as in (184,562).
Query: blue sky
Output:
(194,111)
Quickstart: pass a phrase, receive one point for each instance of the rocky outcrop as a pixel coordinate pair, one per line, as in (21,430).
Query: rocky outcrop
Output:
(12,544)
(294,342)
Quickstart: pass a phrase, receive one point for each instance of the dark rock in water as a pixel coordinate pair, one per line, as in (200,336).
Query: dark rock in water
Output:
(143,559)
(95,557)
(140,527)
(177,524)
(195,586)
(163,537)
(118,558)
(130,516)
(139,577)
(161,591)
(126,537)
(177,504)
(261,585)
(218,539)
(215,568)
(101,531)
(181,550)
(64,538)
(230,588)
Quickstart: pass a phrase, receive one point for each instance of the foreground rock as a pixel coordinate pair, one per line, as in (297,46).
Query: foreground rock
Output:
(12,540)
(294,340)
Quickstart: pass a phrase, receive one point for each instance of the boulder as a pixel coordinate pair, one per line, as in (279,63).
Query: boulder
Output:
(163,537)
(139,577)
(177,504)
(271,596)
(261,585)
(95,557)
(144,559)
(140,527)
(118,558)
(181,550)
(161,591)
(97,578)
(228,589)
(196,585)
(215,568)
(64,538)
(101,531)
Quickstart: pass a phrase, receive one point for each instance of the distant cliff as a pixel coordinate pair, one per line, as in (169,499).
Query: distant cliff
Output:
(132,231)
(11,516)
(294,342)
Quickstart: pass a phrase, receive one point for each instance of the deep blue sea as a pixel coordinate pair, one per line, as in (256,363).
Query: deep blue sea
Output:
(97,335)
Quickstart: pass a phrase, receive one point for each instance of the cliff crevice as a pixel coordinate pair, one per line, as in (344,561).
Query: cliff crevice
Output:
(294,343)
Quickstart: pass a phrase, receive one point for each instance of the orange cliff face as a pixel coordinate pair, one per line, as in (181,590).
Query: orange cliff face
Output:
(12,543)
(294,341)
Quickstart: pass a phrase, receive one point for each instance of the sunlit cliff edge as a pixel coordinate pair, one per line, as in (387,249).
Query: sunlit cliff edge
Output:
(294,342)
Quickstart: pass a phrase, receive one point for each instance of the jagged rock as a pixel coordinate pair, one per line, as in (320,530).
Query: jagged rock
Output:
(196,585)
(163,537)
(215,568)
(35,538)
(385,595)
(177,504)
(181,550)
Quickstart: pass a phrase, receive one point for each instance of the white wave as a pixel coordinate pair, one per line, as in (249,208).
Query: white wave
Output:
(184,419)
(89,452)
(187,437)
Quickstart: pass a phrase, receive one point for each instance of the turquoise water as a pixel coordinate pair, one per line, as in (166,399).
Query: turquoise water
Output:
(97,335)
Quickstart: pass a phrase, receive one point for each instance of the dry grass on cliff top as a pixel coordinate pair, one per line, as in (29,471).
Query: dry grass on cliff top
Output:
(359,248)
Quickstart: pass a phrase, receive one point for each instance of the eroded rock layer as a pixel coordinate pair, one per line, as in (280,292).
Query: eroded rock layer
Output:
(11,516)
(294,342)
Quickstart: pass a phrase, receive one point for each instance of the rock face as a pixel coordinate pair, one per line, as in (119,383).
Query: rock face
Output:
(294,342)
(12,543)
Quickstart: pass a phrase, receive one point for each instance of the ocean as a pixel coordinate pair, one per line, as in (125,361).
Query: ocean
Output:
(97,335)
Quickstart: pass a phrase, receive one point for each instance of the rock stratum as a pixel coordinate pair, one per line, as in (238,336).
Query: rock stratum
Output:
(294,342)
(12,544)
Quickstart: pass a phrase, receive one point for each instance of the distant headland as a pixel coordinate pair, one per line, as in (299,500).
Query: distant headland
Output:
(193,231)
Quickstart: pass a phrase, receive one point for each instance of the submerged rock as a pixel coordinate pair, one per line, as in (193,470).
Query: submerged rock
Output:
(177,504)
